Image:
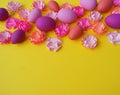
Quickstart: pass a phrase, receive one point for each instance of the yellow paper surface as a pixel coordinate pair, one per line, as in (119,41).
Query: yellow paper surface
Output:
(28,69)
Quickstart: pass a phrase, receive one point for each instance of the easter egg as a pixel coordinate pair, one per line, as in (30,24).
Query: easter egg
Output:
(36,13)
(104,5)
(88,4)
(18,36)
(66,15)
(3,14)
(75,33)
(45,23)
(53,5)
(113,21)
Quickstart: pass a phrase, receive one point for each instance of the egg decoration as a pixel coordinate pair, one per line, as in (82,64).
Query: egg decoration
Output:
(104,5)
(66,15)
(88,4)
(45,23)
(113,21)
(75,33)
(18,36)
(53,5)
(3,14)
(36,13)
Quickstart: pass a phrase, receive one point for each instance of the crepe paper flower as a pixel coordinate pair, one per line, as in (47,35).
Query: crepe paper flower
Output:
(95,16)
(116,10)
(39,4)
(116,2)
(89,41)
(114,37)
(84,23)
(99,28)
(14,6)
(62,30)
(79,11)
(24,13)
(53,44)
(67,5)
(12,23)
(37,37)
(5,37)
(24,25)
(52,14)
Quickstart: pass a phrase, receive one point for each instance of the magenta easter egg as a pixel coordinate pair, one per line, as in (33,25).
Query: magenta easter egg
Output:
(66,15)
(88,4)
(113,21)
(45,23)
(3,14)
(17,37)
(36,13)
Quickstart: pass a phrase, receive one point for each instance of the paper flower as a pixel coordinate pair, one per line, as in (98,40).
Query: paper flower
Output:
(52,14)
(53,44)
(116,2)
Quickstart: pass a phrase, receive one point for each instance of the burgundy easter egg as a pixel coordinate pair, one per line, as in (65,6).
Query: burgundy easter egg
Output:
(18,36)
(113,21)
(3,14)
(66,15)
(45,23)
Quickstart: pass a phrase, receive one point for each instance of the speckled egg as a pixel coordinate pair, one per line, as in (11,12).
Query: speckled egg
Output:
(34,15)
(18,36)
(3,14)
(113,21)
(66,15)
(45,23)
(88,4)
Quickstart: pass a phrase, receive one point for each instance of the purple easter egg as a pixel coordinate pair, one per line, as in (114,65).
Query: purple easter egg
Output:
(3,14)
(34,15)
(88,4)
(45,23)
(113,21)
(66,15)
(18,36)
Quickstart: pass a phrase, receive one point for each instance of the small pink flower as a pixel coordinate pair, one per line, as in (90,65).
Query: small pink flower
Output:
(39,4)
(79,11)
(89,41)
(52,14)
(12,23)
(62,30)
(67,5)
(5,37)
(116,10)
(84,23)
(116,2)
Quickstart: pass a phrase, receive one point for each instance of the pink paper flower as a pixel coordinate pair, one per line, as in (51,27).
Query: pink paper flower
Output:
(89,41)
(5,37)
(24,13)
(62,30)
(95,16)
(12,23)
(79,11)
(84,23)
(67,5)
(116,2)
(52,14)
(39,4)
(53,44)
(24,25)
(14,6)
(116,10)
(114,37)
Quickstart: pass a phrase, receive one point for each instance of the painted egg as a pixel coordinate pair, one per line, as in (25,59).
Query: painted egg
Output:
(105,5)
(53,5)
(3,14)
(75,33)
(45,23)
(36,13)
(88,4)
(18,36)
(113,21)
(66,15)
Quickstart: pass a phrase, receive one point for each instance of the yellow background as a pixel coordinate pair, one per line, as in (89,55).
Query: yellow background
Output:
(27,69)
